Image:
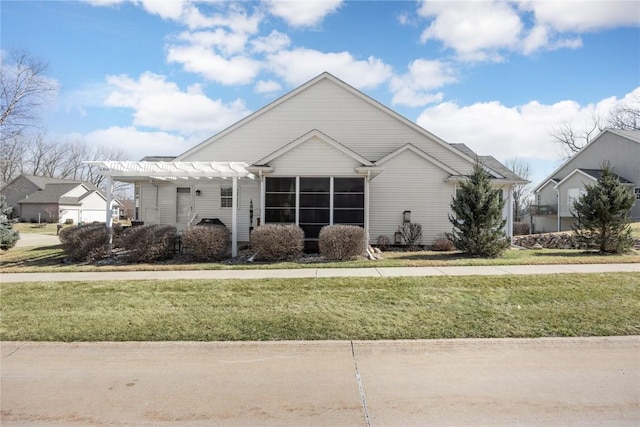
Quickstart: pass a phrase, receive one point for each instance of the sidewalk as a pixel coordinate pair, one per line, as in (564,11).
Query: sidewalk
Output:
(320,272)
(498,382)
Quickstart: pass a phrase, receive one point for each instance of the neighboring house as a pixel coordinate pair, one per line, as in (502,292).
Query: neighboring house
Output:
(555,196)
(322,154)
(41,199)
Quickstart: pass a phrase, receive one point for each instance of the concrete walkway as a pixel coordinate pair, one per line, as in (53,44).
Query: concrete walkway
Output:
(321,272)
(497,382)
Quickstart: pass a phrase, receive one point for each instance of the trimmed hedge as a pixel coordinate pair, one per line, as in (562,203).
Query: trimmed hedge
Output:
(206,243)
(277,242)
(342,242)
(148,243)
(84,243)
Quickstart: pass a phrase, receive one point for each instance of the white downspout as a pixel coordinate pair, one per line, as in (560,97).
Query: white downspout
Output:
(234,218)
(263,192)
(366,206)
(510,214)
(109,218)
(558,199)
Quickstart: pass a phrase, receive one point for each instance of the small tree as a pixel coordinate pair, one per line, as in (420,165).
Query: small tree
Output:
(8,236)
(602,214)
(478,226)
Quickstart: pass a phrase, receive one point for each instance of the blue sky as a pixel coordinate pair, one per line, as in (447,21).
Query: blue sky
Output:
(155,77)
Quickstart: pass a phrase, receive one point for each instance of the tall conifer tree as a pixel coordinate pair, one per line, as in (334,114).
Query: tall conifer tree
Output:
(478,226)
(8,236)
(602,214)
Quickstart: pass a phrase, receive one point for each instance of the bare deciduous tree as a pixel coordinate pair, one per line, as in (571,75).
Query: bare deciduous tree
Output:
(37,155)
(522,193)
(623,116)
(626,116)
(24,88)
(573,139)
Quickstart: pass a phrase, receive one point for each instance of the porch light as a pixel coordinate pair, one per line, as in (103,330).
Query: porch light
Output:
(198,192)
(397,238)
(406,216)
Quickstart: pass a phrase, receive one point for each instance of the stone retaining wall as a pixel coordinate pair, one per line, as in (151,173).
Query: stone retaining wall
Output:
(548,241)
(553,241)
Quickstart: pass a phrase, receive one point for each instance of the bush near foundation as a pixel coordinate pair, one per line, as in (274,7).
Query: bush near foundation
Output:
(149,243)
(206,243)
(277,242)
(442,244)
(85,243)
(342,242)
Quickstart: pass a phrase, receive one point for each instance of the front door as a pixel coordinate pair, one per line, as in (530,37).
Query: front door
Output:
(183,207)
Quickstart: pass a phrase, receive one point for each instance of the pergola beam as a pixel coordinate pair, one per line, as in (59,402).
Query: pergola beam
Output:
(174,171)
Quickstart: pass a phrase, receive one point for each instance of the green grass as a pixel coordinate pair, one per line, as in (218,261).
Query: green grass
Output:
(320,309)
(42,228)
(50,259)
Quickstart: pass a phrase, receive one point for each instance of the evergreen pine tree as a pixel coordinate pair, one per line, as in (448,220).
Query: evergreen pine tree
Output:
(478,226)
(8,236)
(602,214)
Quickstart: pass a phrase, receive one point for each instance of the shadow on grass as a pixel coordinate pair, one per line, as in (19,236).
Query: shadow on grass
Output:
(40,256)
(429,256)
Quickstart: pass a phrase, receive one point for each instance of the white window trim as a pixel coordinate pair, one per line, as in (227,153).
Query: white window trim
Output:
(230,188)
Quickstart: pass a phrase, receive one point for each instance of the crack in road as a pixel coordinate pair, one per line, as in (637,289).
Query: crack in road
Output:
(360,386)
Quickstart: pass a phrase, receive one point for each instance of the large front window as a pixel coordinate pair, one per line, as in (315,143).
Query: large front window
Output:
(313,202)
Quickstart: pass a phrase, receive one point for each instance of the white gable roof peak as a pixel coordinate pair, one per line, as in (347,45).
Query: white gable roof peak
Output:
(575,171)
(322,77)
(419,152)
(306,137)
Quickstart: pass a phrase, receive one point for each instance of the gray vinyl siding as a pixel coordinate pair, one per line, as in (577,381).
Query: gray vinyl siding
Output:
(207,205)
(548,194)
(578,180)
(622,153)
(409,182)
(333,110)
(314,158)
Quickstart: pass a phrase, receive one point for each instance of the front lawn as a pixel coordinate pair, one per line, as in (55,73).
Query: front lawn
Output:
(51,259)
(322,309)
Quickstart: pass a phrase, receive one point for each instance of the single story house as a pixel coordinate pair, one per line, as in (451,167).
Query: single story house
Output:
(554,197)
(42,199)
(324,153)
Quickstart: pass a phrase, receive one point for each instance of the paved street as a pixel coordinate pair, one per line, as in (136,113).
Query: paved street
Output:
(528,382)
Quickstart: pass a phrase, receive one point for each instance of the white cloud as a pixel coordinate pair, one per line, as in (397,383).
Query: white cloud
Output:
(228,71)
(584,15)
(224,41)
(484,30)
(303,13)
(414,88)
(267,86)
(136,143)
(299,65)
(475,30)
(160,104)
(490,128)
(166,9)
(274,42)
(233,16)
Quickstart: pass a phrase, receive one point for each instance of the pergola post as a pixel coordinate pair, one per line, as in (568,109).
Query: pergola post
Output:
(109,218)
(234,218)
